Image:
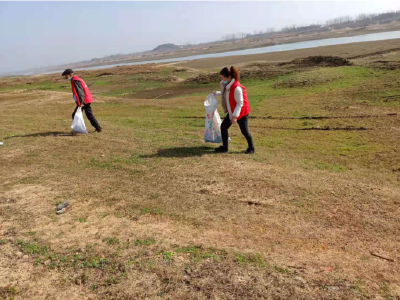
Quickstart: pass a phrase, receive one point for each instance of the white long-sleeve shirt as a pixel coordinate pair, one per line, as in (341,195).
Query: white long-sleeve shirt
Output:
(238,95)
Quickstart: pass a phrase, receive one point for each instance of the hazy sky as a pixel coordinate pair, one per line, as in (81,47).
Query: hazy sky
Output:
(38,34)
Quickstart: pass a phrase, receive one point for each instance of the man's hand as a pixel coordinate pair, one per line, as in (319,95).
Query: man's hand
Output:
(234,120)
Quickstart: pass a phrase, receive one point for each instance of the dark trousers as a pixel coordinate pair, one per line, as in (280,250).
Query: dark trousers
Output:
(244,128)
(89,115)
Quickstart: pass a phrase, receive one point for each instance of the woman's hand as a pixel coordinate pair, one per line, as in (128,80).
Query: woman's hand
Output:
(234,120)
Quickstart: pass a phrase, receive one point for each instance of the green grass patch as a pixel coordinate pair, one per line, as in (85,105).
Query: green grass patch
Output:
(320,165)
(145,242)
(351,145)
(32,247)
(134,211)
(116,162)
(282,270)
(152,211)
(82,219)
(101,82)
(111,241)
(250,258)
(44,86)
(112,280)
(197,253)
(94,262)
(137,86)
(166,255)
(105,164)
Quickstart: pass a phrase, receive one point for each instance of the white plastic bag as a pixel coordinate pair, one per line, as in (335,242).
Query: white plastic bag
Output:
(78,124)
(212,132)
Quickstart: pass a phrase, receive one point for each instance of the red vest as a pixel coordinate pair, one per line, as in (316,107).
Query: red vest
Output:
(246,105)
(88,95)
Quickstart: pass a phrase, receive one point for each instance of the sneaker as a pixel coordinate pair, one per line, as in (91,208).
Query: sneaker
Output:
(99,130)
(250,151)
(221,149)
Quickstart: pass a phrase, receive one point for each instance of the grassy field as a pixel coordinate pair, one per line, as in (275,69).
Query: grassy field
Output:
(156,214)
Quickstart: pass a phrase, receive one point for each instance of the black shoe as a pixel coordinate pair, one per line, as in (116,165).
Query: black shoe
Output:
(250,151)
(221,149)
(99,129)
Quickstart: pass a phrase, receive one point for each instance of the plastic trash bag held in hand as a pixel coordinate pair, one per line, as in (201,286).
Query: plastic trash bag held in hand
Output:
(78,124)
(212,132)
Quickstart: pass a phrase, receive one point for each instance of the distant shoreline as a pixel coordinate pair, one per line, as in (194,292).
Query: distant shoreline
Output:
(279,41)
(395,26)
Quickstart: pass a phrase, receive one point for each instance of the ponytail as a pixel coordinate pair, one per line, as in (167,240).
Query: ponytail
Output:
(235,73)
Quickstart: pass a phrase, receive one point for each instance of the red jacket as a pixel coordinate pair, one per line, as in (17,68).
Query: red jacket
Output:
(88,95)
(246,105)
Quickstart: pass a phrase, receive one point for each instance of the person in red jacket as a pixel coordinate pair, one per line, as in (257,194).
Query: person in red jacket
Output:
(237,107)
(82,97)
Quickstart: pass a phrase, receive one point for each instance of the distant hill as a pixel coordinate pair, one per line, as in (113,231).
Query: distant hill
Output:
(166,47)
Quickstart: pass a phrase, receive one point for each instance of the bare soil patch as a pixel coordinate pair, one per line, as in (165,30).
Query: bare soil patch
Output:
(263,71)
(322,61)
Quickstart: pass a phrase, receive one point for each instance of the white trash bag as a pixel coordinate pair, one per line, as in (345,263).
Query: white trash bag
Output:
(212,132)
(78,124)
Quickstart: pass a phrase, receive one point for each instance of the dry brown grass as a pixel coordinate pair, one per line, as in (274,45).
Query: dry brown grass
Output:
(157,215)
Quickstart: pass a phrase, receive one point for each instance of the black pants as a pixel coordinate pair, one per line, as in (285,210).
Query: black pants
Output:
(244,128)
(89,115)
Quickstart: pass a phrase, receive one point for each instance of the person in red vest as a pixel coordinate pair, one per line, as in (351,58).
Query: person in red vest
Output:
(237,107)
(82,97)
